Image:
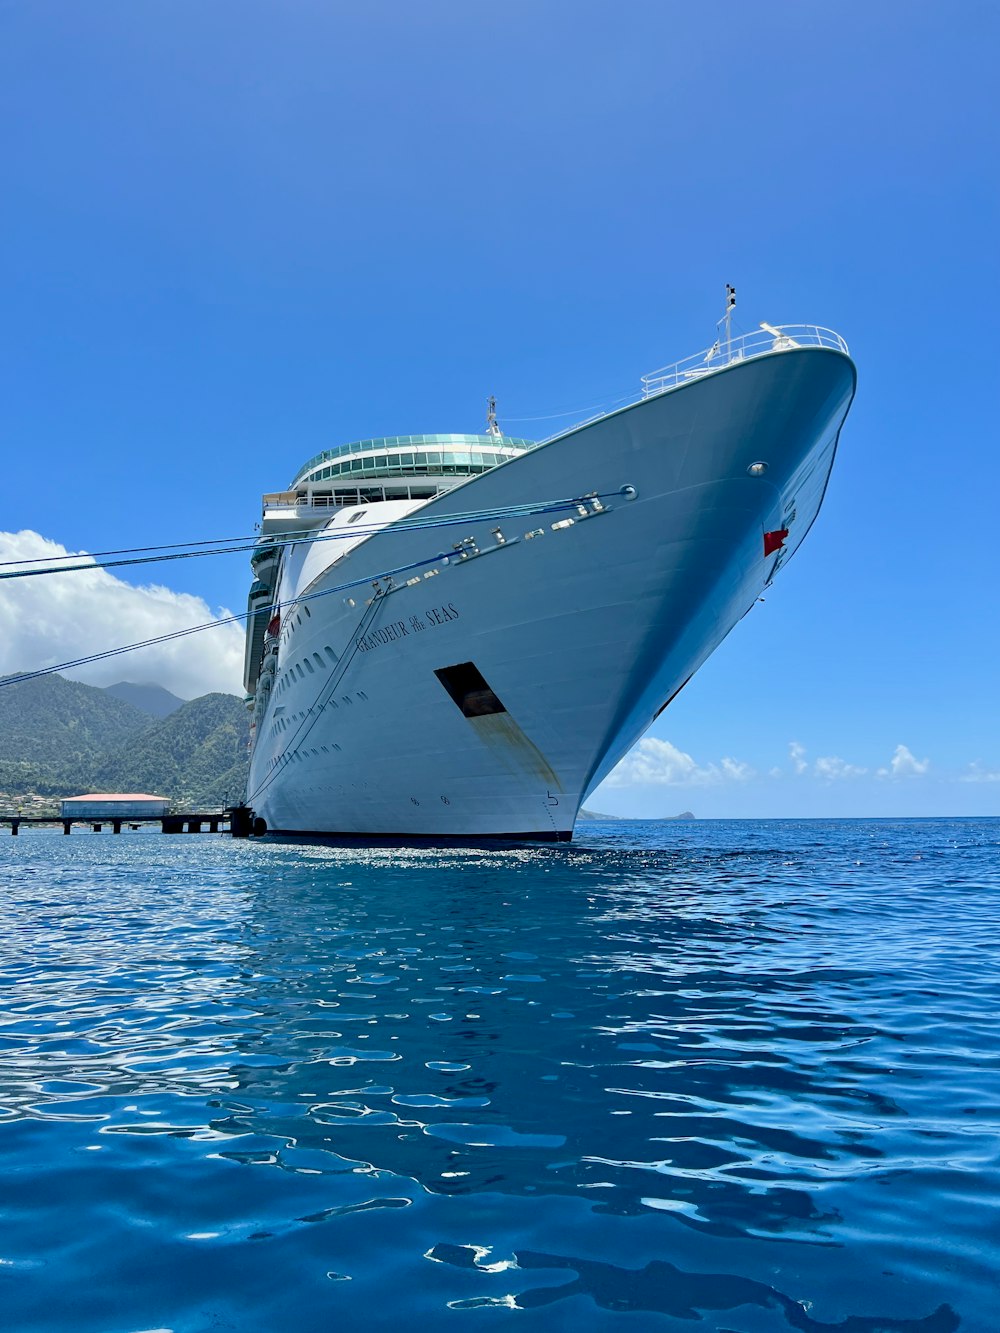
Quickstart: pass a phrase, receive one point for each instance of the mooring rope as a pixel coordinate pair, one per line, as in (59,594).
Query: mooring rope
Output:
(13,569)
(587,503)
(442,556)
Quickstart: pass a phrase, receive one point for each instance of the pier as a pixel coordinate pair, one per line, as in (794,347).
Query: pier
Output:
(235,821)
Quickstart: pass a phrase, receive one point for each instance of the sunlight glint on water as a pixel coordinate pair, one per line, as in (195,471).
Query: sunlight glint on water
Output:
(740,1074)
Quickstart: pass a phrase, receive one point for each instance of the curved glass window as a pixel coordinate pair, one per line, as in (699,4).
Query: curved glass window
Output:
(387,465)
(511,445)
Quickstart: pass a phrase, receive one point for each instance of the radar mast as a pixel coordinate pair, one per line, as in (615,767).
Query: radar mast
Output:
(491,418)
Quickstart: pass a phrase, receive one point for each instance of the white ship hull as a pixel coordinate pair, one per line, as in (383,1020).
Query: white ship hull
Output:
(582,633)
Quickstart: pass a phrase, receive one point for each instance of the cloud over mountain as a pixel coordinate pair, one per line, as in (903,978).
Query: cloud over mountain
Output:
(53,619)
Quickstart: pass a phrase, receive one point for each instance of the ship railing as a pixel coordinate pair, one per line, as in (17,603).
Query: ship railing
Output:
(725,351)
(419,487)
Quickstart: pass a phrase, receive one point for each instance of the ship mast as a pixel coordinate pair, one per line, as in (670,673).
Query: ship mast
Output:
(491,418)
(728,319)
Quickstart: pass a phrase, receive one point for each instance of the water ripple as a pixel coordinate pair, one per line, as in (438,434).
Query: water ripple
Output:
(729,1072)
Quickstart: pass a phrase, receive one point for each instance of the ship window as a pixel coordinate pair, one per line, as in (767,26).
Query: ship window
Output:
(309,666)
(319,661)
(330,654)
(469,690)
(358,513)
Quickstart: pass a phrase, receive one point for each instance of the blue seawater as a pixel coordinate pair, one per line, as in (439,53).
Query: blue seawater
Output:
(731,1076)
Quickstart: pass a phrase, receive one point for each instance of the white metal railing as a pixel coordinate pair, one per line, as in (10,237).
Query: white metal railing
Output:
(345,496)
(768,338)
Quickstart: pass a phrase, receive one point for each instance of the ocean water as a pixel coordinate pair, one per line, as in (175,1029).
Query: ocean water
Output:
(721,1076)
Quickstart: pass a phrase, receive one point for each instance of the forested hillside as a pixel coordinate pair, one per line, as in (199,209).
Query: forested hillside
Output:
(55,732)
(198,752)
(61,738)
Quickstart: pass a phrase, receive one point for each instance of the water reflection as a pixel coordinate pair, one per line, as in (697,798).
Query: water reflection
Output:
(713,1039)
(576,1023)
(633,1026)
(660,1288)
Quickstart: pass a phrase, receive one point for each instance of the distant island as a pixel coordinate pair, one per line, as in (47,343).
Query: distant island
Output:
(655,819)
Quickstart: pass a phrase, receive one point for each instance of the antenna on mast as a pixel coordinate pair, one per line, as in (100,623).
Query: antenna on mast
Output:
(491,418)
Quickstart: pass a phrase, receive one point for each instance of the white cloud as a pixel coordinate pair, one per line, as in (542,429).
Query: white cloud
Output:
(658,763)
(903,764)
(737,770)
(832,769)
(829,768)
(52,619)
(798,755)
(977,773)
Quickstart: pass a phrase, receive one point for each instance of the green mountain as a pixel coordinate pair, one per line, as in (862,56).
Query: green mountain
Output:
(61,738)
(55,732)
(152,699)
(198,753)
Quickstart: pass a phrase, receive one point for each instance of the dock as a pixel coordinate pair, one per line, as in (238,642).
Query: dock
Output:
(234,821)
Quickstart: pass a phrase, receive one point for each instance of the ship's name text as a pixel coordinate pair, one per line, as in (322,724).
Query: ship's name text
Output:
(405,629)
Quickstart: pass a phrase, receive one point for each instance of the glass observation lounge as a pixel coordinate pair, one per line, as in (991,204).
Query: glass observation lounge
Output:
(432,462)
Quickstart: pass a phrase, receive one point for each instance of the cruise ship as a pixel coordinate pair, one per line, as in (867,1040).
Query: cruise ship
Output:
(457,637)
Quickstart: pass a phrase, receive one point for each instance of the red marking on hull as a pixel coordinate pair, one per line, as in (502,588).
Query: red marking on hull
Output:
(774,541)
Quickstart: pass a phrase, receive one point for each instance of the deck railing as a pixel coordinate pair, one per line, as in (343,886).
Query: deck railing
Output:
(768,338)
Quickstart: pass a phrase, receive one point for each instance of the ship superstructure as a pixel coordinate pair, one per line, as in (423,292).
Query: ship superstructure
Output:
(459,636)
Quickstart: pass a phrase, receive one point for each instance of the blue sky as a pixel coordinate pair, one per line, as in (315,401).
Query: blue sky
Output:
(235,234)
